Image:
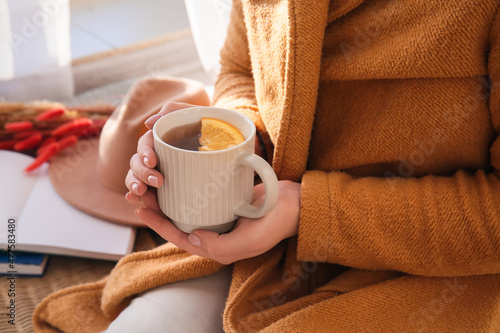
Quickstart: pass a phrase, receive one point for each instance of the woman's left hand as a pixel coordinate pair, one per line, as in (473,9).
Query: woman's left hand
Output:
(249,238)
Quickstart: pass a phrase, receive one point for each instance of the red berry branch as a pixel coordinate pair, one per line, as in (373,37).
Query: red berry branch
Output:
(43,129)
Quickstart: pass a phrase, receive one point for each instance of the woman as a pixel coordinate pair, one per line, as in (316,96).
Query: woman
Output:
(396,180)
(384,120)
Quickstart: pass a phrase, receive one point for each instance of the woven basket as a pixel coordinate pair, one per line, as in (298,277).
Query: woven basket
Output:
(61,272)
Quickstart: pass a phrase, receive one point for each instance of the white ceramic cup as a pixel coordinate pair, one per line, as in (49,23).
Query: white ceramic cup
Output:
(211,189)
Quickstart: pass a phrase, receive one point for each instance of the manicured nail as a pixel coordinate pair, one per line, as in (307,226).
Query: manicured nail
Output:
(153,181)
(151,120)
(135,187)
(146,161)
(195,240)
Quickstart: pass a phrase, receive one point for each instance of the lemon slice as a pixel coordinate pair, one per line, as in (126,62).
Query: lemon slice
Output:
(217,135)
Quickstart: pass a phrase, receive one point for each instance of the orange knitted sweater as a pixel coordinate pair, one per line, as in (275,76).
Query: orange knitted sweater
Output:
(388,113)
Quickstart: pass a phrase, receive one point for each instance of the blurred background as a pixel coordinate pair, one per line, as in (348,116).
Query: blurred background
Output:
(104,25)
(56,49)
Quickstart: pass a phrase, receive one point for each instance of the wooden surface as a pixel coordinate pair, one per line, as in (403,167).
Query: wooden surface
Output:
(171,55)
(104,25)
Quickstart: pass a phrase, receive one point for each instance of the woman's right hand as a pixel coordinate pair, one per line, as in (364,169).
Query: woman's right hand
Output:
(143,179)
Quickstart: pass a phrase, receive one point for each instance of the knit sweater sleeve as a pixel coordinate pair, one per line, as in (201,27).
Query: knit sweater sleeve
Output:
(434,226)
(235,87)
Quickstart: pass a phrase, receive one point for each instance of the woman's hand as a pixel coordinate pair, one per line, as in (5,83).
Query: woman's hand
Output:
(142,171)
(249,238)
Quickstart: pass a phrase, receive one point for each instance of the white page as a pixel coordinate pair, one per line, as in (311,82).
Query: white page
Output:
(51,225)
(15,185)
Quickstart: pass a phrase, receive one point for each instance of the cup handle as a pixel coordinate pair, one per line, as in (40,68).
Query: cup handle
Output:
(268,177)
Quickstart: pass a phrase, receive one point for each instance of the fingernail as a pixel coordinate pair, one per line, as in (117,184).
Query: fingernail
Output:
(195,240)
(146,161)
(153,181)
(135,187)
(151,120)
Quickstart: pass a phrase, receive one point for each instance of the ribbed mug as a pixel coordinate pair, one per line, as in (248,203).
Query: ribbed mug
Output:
(211,189)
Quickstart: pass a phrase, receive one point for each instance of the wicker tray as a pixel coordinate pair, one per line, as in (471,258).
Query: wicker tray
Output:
(61,272)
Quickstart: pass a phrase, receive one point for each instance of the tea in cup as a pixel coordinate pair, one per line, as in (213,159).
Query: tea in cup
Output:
(206,187)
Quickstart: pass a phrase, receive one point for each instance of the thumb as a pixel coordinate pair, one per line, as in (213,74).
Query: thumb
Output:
(203,239)
(215,246)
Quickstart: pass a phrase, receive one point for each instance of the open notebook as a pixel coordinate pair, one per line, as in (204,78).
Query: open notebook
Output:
(45,223)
